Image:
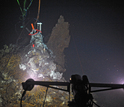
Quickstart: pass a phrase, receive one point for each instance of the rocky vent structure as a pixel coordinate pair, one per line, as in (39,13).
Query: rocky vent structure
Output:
(47,60)
(58,41)
(39,61)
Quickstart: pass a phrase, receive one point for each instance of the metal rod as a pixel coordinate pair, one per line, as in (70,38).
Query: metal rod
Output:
(106,85)
(48,83)
(103,90)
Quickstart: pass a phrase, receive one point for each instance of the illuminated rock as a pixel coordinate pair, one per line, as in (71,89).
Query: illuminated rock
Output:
(44,62)
(58,41)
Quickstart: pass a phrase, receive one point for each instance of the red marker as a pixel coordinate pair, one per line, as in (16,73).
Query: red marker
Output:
(32,26)
(33,45)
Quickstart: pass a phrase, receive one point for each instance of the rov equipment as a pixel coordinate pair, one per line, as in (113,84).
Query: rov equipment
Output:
(80,87)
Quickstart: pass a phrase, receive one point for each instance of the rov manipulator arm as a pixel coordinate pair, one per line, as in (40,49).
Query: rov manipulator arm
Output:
(79,86)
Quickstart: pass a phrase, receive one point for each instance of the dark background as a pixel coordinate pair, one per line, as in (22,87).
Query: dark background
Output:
(97,38)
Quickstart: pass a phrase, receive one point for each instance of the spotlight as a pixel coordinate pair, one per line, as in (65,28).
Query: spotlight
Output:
(26,86)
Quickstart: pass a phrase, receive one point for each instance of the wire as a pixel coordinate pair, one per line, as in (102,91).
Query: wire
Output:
(45,97)
(19,6)
(22,31)
(29,4)
(38,11)
(24,11)
(24,92)
(78,54)
(95,104)
(16,27)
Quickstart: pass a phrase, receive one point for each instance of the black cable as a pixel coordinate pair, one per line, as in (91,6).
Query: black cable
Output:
(24,92)
(16,27)
(22,31)
(95,104)
(27,29)
(45,97)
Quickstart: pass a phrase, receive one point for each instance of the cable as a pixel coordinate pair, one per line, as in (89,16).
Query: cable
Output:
(24,92)
(95,104)
(38,11)
(30,4)
(19,6)
(24,11)
(16,27)
(22,31)
(78,54)
(45,96)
